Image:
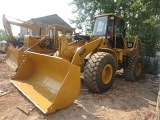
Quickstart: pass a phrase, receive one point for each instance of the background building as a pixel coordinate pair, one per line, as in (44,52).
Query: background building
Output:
(42,22)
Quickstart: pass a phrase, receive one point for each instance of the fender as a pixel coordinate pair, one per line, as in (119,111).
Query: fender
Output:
(108,50)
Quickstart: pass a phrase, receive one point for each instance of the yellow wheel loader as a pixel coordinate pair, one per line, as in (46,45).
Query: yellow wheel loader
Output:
(53,82)
(45,43)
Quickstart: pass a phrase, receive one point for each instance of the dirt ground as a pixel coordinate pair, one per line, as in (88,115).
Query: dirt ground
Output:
(124,101)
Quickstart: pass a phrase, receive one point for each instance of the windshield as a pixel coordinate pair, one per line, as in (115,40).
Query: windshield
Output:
(100,26)
(50,32)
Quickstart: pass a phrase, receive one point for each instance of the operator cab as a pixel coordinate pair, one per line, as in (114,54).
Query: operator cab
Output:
(111,26)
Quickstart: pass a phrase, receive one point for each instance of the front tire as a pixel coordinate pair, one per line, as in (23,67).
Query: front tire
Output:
(99,72)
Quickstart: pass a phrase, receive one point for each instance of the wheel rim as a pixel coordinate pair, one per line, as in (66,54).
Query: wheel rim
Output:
(107,74)
(138,69)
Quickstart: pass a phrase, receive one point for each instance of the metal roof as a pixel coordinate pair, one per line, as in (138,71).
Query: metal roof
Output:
(111,14)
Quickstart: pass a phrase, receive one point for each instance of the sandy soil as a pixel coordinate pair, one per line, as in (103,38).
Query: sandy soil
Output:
(124,101)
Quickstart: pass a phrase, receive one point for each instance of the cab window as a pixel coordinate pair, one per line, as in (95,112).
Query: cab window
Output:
(60,31)
(100,26)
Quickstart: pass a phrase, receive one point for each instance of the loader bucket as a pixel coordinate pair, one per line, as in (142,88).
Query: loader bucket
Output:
(51,83)
(14,57)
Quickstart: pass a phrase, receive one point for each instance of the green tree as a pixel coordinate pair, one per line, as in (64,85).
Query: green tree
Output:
(85,10)
(3,35)
(142,18)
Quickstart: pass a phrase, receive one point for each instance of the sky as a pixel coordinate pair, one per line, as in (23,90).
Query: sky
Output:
(27,9)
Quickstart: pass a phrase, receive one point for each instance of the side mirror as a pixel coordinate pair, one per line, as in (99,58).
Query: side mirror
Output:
(124,32)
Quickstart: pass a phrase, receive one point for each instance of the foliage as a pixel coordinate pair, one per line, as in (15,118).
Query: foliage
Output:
(142,18)
(3,35)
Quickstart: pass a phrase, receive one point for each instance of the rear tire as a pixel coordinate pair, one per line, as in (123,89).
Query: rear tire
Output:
(142,49)
(133,68)
(99,72)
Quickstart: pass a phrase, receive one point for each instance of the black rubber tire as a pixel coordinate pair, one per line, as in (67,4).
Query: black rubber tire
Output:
(93,72)
(142,49)
(130,68)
